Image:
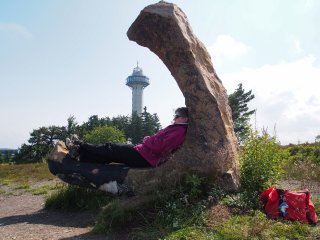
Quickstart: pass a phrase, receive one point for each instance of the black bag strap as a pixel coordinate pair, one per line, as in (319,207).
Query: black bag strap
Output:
(281,200)
(310,221)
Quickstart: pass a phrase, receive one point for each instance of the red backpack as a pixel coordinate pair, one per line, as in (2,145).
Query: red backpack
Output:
(288,205)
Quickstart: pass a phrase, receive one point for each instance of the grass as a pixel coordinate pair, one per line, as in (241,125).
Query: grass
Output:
(189,233)
(24,177)
(316,202)
(252,225)
(257,226)
(304,171)
(182,213)
(74,198)
(24,186)
(43,190)
(22,173)
(179,214)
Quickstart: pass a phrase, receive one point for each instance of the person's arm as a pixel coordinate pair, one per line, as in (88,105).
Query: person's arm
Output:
(166,140)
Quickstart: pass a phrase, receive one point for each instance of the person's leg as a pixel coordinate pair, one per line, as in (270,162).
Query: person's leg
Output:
(111,152)
(87,174)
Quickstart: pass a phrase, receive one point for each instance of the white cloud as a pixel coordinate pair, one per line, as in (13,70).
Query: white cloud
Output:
(308,3)
(227,47)
(297,47)
(286,95)
(16,28)
(313,101)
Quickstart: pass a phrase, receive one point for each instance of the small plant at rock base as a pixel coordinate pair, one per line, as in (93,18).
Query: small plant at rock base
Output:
(69,197)
(260,160)
(113,216)
(174,209)
(193,185)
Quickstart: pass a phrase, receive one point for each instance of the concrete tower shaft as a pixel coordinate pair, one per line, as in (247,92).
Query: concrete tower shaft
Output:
(137,82)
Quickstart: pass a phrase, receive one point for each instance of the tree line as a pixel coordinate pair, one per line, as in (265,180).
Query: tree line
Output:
(42,140)
(134,128)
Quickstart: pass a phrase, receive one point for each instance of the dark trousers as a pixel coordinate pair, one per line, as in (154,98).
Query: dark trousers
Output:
(112,153)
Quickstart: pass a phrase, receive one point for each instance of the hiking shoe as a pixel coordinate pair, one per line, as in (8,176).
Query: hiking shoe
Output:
(75,139)
(68,143)
(73,145)
(73,151)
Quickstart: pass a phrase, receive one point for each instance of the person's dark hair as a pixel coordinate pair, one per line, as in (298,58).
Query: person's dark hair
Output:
(182,111)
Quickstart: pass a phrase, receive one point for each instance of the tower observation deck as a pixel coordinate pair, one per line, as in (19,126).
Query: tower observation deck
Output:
(137,82)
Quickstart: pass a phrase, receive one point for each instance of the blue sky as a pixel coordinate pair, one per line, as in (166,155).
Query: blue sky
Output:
(60,58)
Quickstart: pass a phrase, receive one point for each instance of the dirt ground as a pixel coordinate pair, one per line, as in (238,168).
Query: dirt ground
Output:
(23,217)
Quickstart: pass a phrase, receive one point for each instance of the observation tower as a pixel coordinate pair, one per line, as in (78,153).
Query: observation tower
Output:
(137,82)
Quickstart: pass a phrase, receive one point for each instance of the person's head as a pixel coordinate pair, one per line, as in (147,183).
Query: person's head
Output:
(181,115)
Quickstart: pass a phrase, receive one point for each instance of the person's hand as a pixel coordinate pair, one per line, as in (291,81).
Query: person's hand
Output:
(146,138)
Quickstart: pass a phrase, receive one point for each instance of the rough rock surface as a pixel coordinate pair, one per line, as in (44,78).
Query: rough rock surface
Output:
(211,145)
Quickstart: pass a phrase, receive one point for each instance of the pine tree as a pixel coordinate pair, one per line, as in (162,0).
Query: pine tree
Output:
(134,130)
(150,123)
(238,102)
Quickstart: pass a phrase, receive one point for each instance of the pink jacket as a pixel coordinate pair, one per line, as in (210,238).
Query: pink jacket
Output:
(157,147)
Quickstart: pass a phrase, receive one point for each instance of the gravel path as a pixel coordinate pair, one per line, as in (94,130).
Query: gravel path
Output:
(23,217)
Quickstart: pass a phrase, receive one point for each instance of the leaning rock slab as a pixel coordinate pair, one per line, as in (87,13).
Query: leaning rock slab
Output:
(211,145)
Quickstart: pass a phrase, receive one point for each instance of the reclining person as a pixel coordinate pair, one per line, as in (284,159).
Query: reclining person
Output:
(151,153)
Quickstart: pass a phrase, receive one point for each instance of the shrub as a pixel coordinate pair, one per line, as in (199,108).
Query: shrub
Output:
(304,153)
(260,168)
(105,134)
(303,162)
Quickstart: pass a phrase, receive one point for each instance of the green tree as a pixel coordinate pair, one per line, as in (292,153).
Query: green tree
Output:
(134,130)
(105,134)
(121,122)
(93,122)
(72,127)
(40,144)
(150,123)
(142,125)
(39,141)
(42,139)
(6,156)
(238,102)
(317,140)
(25,154)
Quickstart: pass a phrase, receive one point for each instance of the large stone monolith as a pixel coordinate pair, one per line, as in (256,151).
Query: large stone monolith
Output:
(211,145)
